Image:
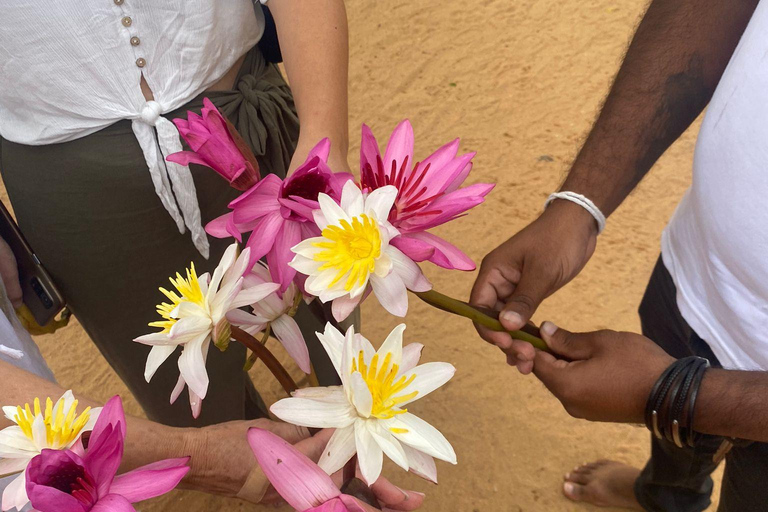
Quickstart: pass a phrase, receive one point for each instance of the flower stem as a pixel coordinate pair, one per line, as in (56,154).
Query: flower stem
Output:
(253,357)
(484,318)
(263,353)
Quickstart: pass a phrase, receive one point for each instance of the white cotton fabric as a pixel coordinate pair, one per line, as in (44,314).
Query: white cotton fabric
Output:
(18,349)
(68,69)
(716,245)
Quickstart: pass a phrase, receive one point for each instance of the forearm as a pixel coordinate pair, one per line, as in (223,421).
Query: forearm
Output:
(146,442)
(314,42)
(733,404)
(668,76)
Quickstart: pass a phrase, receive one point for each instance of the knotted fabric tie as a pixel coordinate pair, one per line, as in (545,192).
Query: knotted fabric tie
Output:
(168,174)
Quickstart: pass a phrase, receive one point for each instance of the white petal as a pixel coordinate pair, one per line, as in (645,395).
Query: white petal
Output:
(305,265)
(429,377)
(361,395)
(155,338)
(345,305)
(180,384)
(421,464)
(393,345)
(333,343)
(227,260)
(389,445)
(341,447)
(14,444)
(332,212)
(330,394)
(352,202)
(252,295)
(10,412)
(190,328)
(156,357)
(423,437)
(391,293)
(39,432)
(380,201)
(411,356)
(12,466)
(408,270)
(192,364)
(287,331)
(242,318)
(369,453)
(310,412)
(15,495)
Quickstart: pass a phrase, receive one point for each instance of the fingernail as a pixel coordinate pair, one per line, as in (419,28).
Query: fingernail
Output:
(511,318)
(548,329)
(569,488)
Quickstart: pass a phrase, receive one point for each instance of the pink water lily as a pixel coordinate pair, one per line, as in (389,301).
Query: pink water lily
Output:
(215,143)
(300,482)
(429,193)
(63,481)
(278,213)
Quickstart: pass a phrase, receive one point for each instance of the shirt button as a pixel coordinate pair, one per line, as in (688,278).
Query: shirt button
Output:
(135,41)
(119,2)
(127,21)
(141,62)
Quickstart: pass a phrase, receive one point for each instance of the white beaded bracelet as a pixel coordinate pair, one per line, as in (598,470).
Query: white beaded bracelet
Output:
(584,203)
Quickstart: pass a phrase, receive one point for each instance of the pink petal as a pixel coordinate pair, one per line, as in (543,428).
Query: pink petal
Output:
(343,503)
(322,149)
(446,255)
(223,227)
(266,189)
(111,415)
(281,254)
(104,457)
(399,147)
(437,179)
(295,477)
(369,149)
(150,481)
(459,178)
(263,236)
(288,332)
(39,477)
(186,158)
(416,249)
(455,203)
(442,157)
(113,503)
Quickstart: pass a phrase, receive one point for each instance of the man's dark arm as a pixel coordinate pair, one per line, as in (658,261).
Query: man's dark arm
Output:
(668,76)
(608,376)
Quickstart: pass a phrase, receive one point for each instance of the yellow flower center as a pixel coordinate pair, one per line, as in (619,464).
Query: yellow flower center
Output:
(190,291)
(62,427)
(383,386)
(350,248)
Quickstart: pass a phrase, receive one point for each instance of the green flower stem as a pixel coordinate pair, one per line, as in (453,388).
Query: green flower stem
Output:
(253,357)
(457,307)
(263,353)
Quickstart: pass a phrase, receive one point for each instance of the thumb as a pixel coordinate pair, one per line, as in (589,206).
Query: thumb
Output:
(565,345)
(523,301)
(313,446)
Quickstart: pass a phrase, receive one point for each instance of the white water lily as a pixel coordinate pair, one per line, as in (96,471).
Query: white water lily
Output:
(56,427)
(368,409)
(354,252)
(196,316)
(276,312)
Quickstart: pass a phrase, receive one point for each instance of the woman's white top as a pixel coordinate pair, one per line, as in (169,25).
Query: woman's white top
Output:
(72,67)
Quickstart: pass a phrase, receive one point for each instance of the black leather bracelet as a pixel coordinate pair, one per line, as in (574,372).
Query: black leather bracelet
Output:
(670,430)
(665,405)
(678,400)
(691,435)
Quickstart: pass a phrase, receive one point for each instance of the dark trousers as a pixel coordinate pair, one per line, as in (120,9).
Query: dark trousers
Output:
(678,479)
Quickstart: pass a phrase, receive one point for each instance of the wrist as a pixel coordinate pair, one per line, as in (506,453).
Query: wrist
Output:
(572,217)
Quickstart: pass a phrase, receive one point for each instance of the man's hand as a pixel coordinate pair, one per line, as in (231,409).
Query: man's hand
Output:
(532,265)
(600,376)
(9,272)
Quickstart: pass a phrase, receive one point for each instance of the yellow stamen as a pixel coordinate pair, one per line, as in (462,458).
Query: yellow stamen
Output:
(351,249)
(62,427)
(189,288)
(383,387)
(396,430)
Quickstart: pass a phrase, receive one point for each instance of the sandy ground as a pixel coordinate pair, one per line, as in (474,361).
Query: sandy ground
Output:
(520,83)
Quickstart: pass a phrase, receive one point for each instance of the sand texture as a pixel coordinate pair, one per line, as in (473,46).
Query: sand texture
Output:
(520,83)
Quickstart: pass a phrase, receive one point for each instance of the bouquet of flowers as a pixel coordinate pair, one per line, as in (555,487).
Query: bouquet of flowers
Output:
(315,237)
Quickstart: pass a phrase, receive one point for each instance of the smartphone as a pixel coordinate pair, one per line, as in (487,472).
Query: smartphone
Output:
(40,294)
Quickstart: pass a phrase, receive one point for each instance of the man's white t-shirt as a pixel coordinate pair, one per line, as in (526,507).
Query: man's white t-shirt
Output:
(716,245)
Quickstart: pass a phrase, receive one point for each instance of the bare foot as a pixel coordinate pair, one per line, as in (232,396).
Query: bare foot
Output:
(604,483)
